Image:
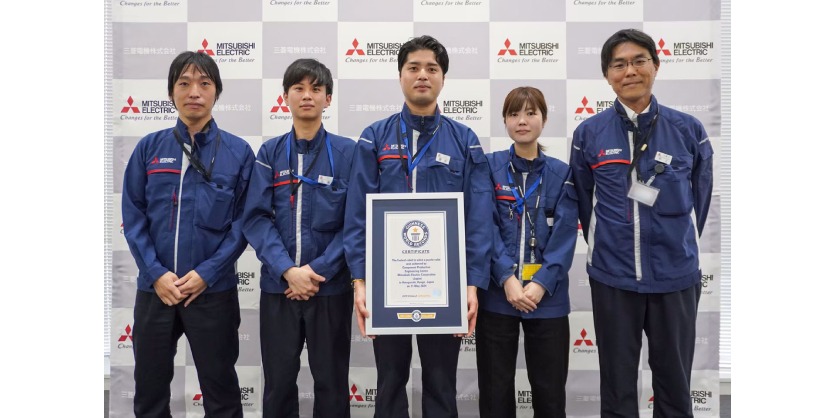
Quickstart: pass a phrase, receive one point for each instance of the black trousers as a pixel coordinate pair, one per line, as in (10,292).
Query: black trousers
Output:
(546,355)
(211,326)
(324,322)
(439,355)
(669,321)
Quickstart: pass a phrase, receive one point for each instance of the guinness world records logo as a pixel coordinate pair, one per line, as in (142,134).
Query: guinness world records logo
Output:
(415,233)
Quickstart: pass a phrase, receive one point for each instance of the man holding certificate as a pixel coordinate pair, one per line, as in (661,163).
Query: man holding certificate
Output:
(419,151)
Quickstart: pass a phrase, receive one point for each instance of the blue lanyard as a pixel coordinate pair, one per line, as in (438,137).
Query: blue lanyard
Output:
(292,138)
(517,190)
(414,162)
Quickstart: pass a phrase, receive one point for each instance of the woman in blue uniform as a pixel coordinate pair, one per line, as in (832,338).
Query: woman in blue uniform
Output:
(537,219)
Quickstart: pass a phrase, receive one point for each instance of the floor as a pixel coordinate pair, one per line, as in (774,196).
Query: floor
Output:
(725,405)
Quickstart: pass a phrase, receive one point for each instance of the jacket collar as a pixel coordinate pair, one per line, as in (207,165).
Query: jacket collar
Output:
(643,119)
(304,146)
(201,138)
(523,165)
(424,124)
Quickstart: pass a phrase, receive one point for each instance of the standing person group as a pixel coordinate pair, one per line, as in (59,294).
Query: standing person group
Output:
(639,180)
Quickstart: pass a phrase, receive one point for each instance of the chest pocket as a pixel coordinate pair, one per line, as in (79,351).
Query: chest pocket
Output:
(450,175)
(611,192)
(674,184)
(214,203)
(508,221)
(391,168)
(161,188)
(329,206)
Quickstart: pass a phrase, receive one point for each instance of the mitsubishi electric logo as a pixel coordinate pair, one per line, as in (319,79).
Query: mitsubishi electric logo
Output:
(530,48)
(353,396)
(374,52)
(529,52)
(281,106)
(611,151)
(281,111)
(584,102)
(130,107)
(246,281)
(153,109)
(507,48)
(226,51)
(205,44)
(583,339)
(388,147)
(700,399)
(355,49)
(125,340)
(367,397)
(587,108)
(127,335)
(462,109)
(247,396)
(662,50)
(695,51)
(582,343)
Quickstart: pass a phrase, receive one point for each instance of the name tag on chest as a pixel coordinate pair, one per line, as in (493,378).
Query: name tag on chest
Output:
(326,180)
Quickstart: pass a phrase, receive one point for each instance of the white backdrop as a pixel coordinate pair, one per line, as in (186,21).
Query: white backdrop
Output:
(494,46)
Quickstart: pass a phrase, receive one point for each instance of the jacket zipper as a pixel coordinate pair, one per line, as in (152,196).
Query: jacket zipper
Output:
(173,207)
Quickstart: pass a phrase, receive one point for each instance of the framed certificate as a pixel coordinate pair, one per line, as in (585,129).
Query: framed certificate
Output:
(416,280)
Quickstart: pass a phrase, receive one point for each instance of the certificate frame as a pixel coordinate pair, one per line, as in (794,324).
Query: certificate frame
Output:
(416,277)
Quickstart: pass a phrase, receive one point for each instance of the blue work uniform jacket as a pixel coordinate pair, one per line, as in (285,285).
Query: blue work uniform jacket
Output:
(555,219)
(175,219)
(378,167)
(633,246)
(290,222)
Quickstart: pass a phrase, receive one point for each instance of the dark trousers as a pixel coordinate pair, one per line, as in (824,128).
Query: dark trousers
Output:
(211,326)
(546,355)
(324,322)
(669,321)
(439,359)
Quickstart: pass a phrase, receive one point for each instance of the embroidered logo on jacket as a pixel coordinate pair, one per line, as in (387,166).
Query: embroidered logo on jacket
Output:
(611,151)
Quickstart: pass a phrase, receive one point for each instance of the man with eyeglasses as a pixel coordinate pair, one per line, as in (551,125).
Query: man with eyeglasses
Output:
(643,174)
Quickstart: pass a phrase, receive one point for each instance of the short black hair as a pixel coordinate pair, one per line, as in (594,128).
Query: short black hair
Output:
(627,35)
(303,68)
(202,62)
(424,42)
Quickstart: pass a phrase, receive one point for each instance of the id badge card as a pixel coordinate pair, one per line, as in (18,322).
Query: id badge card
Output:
(528,271)
(643,193)
(326,180)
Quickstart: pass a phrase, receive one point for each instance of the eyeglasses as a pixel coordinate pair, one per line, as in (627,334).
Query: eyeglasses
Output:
(622,65)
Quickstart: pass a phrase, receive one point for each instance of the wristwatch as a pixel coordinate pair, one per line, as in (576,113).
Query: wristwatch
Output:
(356,280)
